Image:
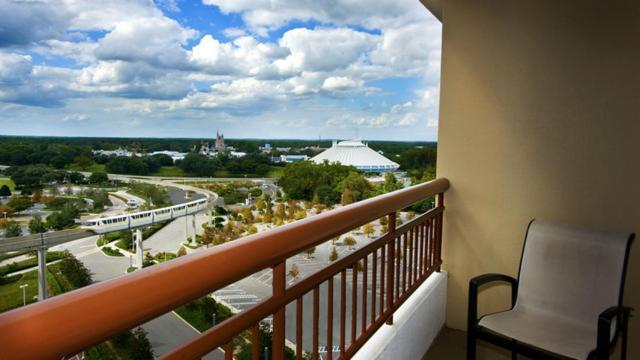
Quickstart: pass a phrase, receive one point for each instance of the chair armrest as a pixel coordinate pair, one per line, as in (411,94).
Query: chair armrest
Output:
(487,278)
(475,282)
(605,319)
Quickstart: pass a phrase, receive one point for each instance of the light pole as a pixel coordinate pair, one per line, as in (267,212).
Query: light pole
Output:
(24,293)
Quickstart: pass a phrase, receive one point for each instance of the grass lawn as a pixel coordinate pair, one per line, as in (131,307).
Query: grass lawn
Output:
(275,172)
(173,171)
(221,173)
(11,294)
(8,182)
(30,262)
(199,313)
(93,168)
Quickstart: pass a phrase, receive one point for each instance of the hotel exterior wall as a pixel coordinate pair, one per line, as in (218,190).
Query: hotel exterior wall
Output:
(539,117)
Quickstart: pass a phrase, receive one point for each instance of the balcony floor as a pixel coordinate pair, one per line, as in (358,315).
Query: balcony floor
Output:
(451,345)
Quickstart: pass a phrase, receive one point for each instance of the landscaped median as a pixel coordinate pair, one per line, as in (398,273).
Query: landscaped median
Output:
(200,315)
(63,276)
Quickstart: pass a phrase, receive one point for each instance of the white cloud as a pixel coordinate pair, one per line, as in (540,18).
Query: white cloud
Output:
(323,49)
(234,32)
(156,41)
(76,117)
(147,63)
(134,80)
(14,68)
(243,56)
(340,83)
(265,15)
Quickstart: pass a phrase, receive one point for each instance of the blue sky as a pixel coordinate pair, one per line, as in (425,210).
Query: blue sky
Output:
(251,68)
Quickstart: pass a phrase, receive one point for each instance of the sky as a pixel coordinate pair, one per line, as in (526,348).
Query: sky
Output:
(303,69)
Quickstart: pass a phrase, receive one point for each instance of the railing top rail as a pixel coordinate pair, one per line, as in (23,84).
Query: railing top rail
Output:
(84,317)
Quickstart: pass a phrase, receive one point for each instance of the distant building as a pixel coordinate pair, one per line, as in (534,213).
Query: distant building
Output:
(293,158)
(237,154)
(205,149)
(356,154)
(219,141)
(175,155)
(265,149)
(117,152)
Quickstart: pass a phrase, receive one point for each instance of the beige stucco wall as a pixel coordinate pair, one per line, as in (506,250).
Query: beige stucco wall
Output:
(539,117)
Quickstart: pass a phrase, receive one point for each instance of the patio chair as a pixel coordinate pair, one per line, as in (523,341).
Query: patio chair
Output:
(567,300)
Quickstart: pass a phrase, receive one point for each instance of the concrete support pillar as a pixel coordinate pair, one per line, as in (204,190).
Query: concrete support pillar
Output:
(42,273)
(193,224)
(139,247)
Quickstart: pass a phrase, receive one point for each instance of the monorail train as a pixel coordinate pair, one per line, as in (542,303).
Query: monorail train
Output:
(143,218)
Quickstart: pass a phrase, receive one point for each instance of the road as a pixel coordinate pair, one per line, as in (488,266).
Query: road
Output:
(164,332)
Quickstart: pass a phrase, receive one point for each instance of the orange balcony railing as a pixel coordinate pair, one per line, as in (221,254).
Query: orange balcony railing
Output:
(398,262)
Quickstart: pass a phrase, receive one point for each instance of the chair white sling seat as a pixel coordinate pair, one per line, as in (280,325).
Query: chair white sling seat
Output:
(568,277)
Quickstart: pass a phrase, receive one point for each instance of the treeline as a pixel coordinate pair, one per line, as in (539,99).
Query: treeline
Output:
(31,178)
(200,165)
(330,184)
(59,152)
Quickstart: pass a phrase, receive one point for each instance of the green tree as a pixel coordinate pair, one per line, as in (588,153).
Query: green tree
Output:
(75,271)
(334,254)
(83,161)
(12,229)
(63,219)
(198,165)
(141,347)
(36,225)
(391,183)
(310,251)
(182,251)
(20,203)
(368,229)
(356,186)
(98,178)
(350,241)
(5,191)
(294,271)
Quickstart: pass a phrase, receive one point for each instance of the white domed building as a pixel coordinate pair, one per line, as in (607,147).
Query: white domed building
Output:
(355,153)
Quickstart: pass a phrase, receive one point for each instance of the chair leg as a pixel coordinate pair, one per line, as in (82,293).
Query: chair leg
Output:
(471,344)
(514,352)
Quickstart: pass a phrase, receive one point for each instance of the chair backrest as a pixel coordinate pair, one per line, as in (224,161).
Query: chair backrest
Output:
(572,272)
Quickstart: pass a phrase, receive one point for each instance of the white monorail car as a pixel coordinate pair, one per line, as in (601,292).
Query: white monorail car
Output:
(143,218)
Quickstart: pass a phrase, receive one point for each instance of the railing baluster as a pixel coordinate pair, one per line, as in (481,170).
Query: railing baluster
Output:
(316,315)
(354,302)
(419,252)
(440,199)
(374,284)
(330,318)
(364,294)
(299,322)
(228,350)
(383,260)
(398,269)
(405,260)
(410,254)
(425,247)
(255,342)
(343,305)
(431,243)
(390,262)
(416,254)
(279,287)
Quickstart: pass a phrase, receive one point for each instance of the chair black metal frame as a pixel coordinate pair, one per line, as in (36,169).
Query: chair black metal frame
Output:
(604,343)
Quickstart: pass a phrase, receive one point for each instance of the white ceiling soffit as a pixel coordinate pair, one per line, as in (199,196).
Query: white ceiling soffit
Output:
(434,6)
